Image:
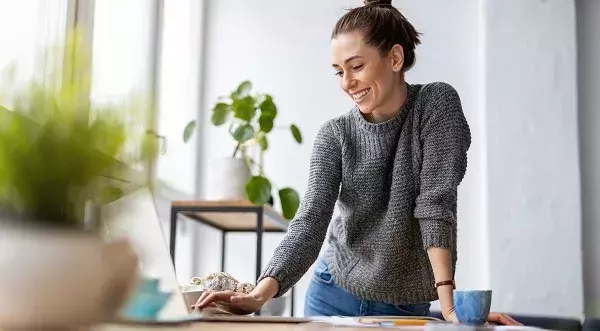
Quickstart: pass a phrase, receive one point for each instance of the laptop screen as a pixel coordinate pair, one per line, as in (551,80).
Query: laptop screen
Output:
(135,218)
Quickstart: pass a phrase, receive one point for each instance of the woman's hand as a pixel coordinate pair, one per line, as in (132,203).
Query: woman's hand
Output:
(450,316)
(235,303)
(496,318)
(240,303)
(501,318)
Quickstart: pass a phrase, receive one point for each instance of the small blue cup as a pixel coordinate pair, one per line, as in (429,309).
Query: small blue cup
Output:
(472,307)
(149,285)
(146,302)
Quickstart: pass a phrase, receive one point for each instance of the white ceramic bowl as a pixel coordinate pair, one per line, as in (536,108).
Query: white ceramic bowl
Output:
(275,307)
(191,297)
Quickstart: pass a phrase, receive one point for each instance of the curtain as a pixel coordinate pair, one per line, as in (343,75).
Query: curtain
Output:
(27,29)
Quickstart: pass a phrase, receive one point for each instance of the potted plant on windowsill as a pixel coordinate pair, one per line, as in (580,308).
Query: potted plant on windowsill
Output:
(56,160)
(250,118)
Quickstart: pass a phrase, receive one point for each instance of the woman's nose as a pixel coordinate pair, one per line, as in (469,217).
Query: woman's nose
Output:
(347,82)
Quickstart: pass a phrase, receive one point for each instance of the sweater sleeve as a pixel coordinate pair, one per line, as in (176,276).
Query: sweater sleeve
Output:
(445,139)
(302,243)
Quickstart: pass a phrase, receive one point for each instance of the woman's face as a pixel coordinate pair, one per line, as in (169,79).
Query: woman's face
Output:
(367,77)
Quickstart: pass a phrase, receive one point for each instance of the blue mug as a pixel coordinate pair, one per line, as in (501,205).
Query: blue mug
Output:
(472,307)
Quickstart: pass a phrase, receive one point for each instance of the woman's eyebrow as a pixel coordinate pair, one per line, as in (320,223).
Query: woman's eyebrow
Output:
(349,59)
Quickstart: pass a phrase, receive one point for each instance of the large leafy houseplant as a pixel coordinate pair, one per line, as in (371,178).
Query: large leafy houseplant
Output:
(59,152)
(251,118)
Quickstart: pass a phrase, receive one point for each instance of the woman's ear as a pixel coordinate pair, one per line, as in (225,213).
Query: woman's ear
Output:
(397,58)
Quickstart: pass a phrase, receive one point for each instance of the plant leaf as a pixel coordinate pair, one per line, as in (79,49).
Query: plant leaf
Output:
(220,113)
(290,201)
(262,141)
(245,108)
(268,107)
(243,133)
(296,133)
(242,90)
(268,112)
(265,124)
(110,194)
(188,131)
(258,190)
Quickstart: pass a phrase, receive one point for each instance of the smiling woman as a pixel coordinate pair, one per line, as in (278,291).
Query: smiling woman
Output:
(392,164)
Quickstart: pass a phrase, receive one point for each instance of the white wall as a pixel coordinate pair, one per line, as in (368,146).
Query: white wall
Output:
(532,157)
(513,63)
(588,19)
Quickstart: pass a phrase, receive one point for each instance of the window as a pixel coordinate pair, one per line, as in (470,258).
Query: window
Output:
(179,91)
(123,53)
(122,49)
(123,37)
(27,28)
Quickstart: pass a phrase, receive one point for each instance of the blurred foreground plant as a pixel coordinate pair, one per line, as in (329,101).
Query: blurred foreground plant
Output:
(58,152)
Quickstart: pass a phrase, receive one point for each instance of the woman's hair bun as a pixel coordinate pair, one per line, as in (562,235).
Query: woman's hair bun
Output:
(377,2)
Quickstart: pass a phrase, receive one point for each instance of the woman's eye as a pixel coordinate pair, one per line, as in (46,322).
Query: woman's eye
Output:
(358,67)
(339,73)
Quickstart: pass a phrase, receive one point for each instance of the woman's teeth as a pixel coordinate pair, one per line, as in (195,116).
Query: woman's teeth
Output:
(360,95)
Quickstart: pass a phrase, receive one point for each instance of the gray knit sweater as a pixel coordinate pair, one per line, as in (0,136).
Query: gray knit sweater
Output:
(395,184)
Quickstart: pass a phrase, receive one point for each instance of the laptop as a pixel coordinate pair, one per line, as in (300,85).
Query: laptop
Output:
(135,217)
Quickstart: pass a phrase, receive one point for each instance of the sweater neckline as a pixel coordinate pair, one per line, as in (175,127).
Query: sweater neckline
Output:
(391,124)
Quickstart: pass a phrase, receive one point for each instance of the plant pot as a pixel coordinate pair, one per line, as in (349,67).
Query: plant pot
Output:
(54,279)
(275,306)
(227,179)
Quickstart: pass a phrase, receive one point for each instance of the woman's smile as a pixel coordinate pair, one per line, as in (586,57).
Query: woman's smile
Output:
(360,96)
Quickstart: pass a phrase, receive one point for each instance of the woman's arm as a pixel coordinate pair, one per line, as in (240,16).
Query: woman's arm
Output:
(301,245)
(441,263)
(446,138)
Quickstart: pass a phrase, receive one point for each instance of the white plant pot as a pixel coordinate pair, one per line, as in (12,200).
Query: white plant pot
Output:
(53,280)
(227,179)
(275,306)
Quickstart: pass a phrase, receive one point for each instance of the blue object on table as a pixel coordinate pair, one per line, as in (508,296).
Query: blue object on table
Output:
(146,302)
(472,307)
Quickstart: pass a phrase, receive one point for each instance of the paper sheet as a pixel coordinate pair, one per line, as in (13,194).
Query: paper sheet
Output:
(355,322)
(453,327)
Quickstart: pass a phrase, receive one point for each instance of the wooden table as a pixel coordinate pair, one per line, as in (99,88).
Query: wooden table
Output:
(247,327)
(250,323)
(231,216)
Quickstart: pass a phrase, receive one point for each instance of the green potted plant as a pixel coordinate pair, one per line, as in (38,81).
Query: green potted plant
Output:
(58,154)
(250,118)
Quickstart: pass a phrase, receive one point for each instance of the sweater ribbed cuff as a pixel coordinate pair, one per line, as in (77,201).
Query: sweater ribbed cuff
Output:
(437,233)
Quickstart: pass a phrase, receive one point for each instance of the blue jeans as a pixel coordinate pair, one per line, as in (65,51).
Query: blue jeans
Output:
(325,298)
